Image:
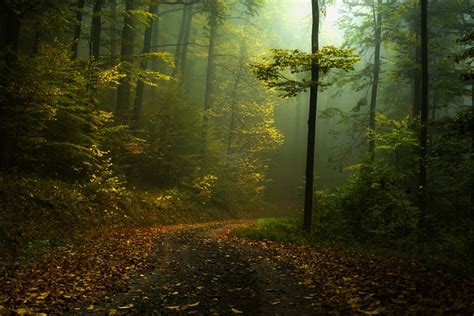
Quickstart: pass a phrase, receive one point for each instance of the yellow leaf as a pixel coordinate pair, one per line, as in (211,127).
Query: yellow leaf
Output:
(91,307)
(275,302)
(194,304)
(23,311)
(236,311)
(126,306)
(113,312)
(174,308)
(42,296)
(41,314)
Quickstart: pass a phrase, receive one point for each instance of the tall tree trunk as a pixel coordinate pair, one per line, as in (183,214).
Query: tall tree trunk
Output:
(3,23)
(126,53)
(297,126)
(209,76)
(137,106)
(416,70)
(423,115)
(313,107)
(11,45)
(179,48)
(94,51)
(77,29)
(183,40)
(13,31)
(155,34)
(233,106)
(376,73)
(113,30)
(472,148)
(187,34)
(37,38)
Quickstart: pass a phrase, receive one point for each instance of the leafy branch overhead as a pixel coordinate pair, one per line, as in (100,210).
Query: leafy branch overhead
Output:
(280,70)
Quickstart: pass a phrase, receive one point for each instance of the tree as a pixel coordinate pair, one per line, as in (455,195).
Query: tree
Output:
(153,9)
(275,71)
(77,29)
(213,15)
(423,113)
(96,30)
(183,40)
(126,53)
(376,72)
(313,105)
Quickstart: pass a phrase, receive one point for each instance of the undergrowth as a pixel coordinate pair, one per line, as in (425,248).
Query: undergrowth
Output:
(38,214)
(290,230)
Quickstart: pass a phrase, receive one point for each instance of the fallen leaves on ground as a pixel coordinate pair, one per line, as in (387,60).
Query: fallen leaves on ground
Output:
(368,284)
(199,268)
(76,277)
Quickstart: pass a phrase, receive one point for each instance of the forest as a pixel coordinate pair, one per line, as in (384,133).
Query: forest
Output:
(287,157)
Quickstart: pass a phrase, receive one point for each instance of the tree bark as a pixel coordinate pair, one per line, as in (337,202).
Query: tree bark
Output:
(416,70)
(137,106)
(180,41)
(313,107)
(3,23)
(183,39)
(423,116)
(472,149)
(94,51)
(77,29)
(38,35)
(13,31)
(113,31)
(126,53)
(233,107)
(376,73)
(187,34)
(209,76)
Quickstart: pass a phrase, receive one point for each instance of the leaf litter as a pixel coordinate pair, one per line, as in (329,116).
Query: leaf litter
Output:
(201,269)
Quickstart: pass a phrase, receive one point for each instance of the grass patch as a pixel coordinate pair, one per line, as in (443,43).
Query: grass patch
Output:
(276,229)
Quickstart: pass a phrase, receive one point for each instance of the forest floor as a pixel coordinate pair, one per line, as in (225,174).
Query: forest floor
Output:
(201,269)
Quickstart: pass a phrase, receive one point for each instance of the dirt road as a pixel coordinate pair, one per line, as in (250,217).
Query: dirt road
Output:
(199,269)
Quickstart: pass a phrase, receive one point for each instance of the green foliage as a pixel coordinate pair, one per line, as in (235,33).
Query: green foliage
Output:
(167,144)
(279,70)
(38,212)
(275,229)
(133,70)
(452,168)
(376,206)
(49,118)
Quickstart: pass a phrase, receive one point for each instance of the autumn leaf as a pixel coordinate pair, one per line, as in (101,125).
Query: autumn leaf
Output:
(173,308)
(193,304)
(236,311)
(42,296)
(24,311)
